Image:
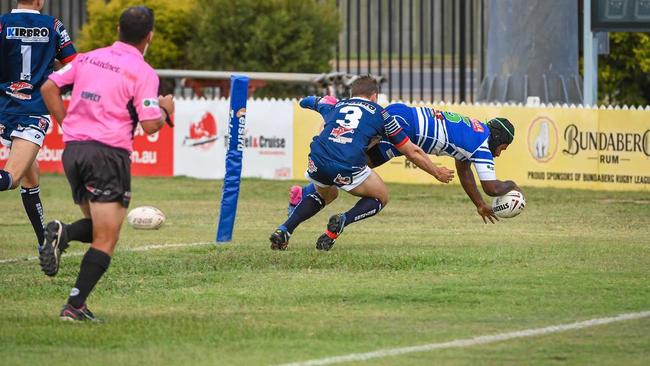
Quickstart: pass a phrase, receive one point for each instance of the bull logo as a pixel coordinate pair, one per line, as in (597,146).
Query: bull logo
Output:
(542,139)
(342,181)
(19,86)
(18,89)
(338,135)
(340,131)
(202,133)
(43,123)
(311,167)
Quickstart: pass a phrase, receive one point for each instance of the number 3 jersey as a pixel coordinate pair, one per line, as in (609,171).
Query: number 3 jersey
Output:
(350,126)
(447,134)
(29,43)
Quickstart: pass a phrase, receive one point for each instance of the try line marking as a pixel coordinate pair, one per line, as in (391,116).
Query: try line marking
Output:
(468,342)
(143,248)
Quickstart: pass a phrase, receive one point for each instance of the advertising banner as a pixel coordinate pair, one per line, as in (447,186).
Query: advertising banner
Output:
(621,146)
(152,155)
(307,124)
(49,157)
(200,139)
(576,148)
(553,147)
(537,157)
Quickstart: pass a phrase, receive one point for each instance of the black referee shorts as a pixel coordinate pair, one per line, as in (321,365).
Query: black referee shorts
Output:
(97,172)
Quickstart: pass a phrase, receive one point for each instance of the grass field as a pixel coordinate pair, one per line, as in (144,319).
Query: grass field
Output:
(425,270)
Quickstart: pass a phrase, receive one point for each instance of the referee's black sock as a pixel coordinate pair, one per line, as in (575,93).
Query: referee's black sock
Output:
(80,230)
(93,265)
(365,207)
(308,207)
(34,209)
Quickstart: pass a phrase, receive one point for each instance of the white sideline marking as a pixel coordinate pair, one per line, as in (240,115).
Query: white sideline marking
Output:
(134,249)
(468,342)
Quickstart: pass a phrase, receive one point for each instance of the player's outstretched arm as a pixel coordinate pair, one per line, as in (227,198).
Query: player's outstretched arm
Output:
(401,141)
(416,155)
(308,102)
(52,98)
(322,105)
(469,186)
(484,165)
(495,188)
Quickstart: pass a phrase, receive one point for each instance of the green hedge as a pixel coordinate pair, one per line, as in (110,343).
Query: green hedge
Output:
(264,35)
(624,74)
(244,35)
(171,34)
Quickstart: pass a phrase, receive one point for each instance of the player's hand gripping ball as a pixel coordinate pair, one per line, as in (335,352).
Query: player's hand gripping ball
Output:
(509,205)
(146,217)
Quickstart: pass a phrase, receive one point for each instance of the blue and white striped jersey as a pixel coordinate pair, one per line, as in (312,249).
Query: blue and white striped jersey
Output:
(447,134)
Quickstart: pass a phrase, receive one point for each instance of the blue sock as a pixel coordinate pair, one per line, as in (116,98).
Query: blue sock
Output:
(5,180)
(365,207)
(308,207)
(308,189)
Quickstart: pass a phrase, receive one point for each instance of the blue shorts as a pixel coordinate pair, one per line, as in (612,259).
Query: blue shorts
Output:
(381,153)
(30,128)
(327,173)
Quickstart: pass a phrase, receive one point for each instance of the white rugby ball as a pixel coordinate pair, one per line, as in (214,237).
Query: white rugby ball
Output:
(509,205)
(146,217)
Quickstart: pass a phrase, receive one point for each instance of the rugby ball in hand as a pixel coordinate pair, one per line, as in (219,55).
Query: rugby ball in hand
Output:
(509,205)
(146,217)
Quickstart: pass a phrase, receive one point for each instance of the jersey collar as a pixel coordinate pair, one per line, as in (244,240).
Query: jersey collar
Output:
(127,48)
(29,11)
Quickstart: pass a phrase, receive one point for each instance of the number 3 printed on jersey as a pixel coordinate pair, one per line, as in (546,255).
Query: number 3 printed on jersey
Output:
(352,116)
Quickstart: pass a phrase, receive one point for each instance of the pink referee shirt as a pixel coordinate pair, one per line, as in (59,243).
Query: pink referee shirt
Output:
(113,89)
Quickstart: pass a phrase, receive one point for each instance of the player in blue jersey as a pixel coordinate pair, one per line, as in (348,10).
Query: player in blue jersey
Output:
(29,45)
(467,140)
(337,160)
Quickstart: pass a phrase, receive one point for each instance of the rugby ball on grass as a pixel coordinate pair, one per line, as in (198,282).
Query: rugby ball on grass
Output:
(509,205)
(146,217)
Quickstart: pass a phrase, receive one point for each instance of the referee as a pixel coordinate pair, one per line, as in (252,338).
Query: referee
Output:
(114,89)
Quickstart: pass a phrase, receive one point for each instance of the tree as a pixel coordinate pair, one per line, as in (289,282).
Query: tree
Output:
(172,28)
(264,35)
(624,74)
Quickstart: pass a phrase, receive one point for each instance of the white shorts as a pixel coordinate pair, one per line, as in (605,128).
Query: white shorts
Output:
(357,179)
(30,128)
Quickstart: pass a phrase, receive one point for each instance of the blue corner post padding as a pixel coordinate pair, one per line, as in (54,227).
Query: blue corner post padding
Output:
(230,195)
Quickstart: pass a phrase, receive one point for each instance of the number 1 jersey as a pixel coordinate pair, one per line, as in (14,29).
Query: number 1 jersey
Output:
(29,43)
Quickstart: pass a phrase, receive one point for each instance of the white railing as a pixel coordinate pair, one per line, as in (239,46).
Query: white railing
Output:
(266,76)
(333,83)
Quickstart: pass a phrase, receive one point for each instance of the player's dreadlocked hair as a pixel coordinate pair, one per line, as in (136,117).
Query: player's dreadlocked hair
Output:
(364,86)
(501,132)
